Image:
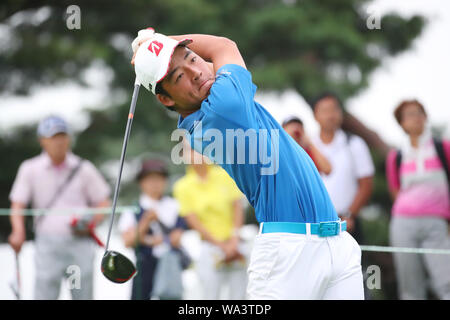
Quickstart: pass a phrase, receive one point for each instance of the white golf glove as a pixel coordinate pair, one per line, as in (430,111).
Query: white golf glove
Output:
(143,35)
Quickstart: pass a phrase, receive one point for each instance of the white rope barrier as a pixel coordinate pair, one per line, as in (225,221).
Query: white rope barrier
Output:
(68,211)
(81,211)
(405,250)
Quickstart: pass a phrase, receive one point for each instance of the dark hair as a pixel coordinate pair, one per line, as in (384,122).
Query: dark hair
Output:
(324,95)
(399,110)
(160,90)
(292,119)
(154,166)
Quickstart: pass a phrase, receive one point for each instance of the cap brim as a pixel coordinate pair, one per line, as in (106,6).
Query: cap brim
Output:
(143,174)
(180,43)
(185,42)
(51,134)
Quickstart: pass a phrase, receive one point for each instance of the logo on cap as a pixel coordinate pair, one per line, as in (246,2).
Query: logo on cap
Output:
(155,47)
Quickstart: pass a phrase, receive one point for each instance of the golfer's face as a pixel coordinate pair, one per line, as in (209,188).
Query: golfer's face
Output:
(188,80)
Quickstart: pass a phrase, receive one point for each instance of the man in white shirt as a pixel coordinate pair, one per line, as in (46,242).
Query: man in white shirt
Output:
(350,182)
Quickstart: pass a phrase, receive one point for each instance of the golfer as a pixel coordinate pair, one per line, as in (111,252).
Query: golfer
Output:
(302,250)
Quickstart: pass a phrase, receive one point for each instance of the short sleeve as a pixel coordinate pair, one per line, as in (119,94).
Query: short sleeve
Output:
(126,221)
(182,195)
(364,164)
(21,189)
(232,95)
(97,190)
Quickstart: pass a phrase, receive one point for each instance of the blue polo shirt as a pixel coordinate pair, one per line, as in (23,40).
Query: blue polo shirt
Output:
(277,176)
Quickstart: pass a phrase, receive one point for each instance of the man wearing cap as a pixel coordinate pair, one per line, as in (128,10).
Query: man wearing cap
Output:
(350,184)
(58,181)
(302,250)
(154,230)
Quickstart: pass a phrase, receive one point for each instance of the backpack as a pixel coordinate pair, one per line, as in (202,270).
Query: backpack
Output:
(439,146)
(349,136)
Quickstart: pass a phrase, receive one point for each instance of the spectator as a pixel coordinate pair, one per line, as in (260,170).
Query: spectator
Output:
(59,181)
(212,205)
(350,182)
(154,230)
(294,127)
(418,181)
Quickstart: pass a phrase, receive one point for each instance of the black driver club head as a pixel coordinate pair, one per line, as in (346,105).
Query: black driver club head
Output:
(116,267)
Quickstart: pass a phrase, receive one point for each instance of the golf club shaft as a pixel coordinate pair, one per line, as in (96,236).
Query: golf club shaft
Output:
(122,158)
(17,269)
(18,276)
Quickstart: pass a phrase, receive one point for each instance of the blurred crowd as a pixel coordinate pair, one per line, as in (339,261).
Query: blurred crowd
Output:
(207,201)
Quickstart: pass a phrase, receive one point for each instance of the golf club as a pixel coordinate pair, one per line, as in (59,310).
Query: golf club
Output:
(115,266)
(15,286)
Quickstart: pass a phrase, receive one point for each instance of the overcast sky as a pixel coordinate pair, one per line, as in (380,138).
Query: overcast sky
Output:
(423,73)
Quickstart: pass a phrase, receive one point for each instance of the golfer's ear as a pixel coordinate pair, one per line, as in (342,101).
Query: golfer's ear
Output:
(165,100)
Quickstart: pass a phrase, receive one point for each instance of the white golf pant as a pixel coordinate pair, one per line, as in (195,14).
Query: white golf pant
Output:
(215,276)
(298,266)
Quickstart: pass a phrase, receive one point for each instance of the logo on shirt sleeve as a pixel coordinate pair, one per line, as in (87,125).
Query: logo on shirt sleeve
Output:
(224,72)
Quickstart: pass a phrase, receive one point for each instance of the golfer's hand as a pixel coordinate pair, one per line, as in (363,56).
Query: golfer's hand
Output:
(233,242)
(150,215)
(305,141)
(230,248)
(16,240)
(175,238)
(223,246)
(143,35)
(82,227)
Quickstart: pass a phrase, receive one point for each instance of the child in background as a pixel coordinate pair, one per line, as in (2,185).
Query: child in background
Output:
(155,230)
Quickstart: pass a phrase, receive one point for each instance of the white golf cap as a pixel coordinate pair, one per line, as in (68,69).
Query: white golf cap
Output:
(152,60)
